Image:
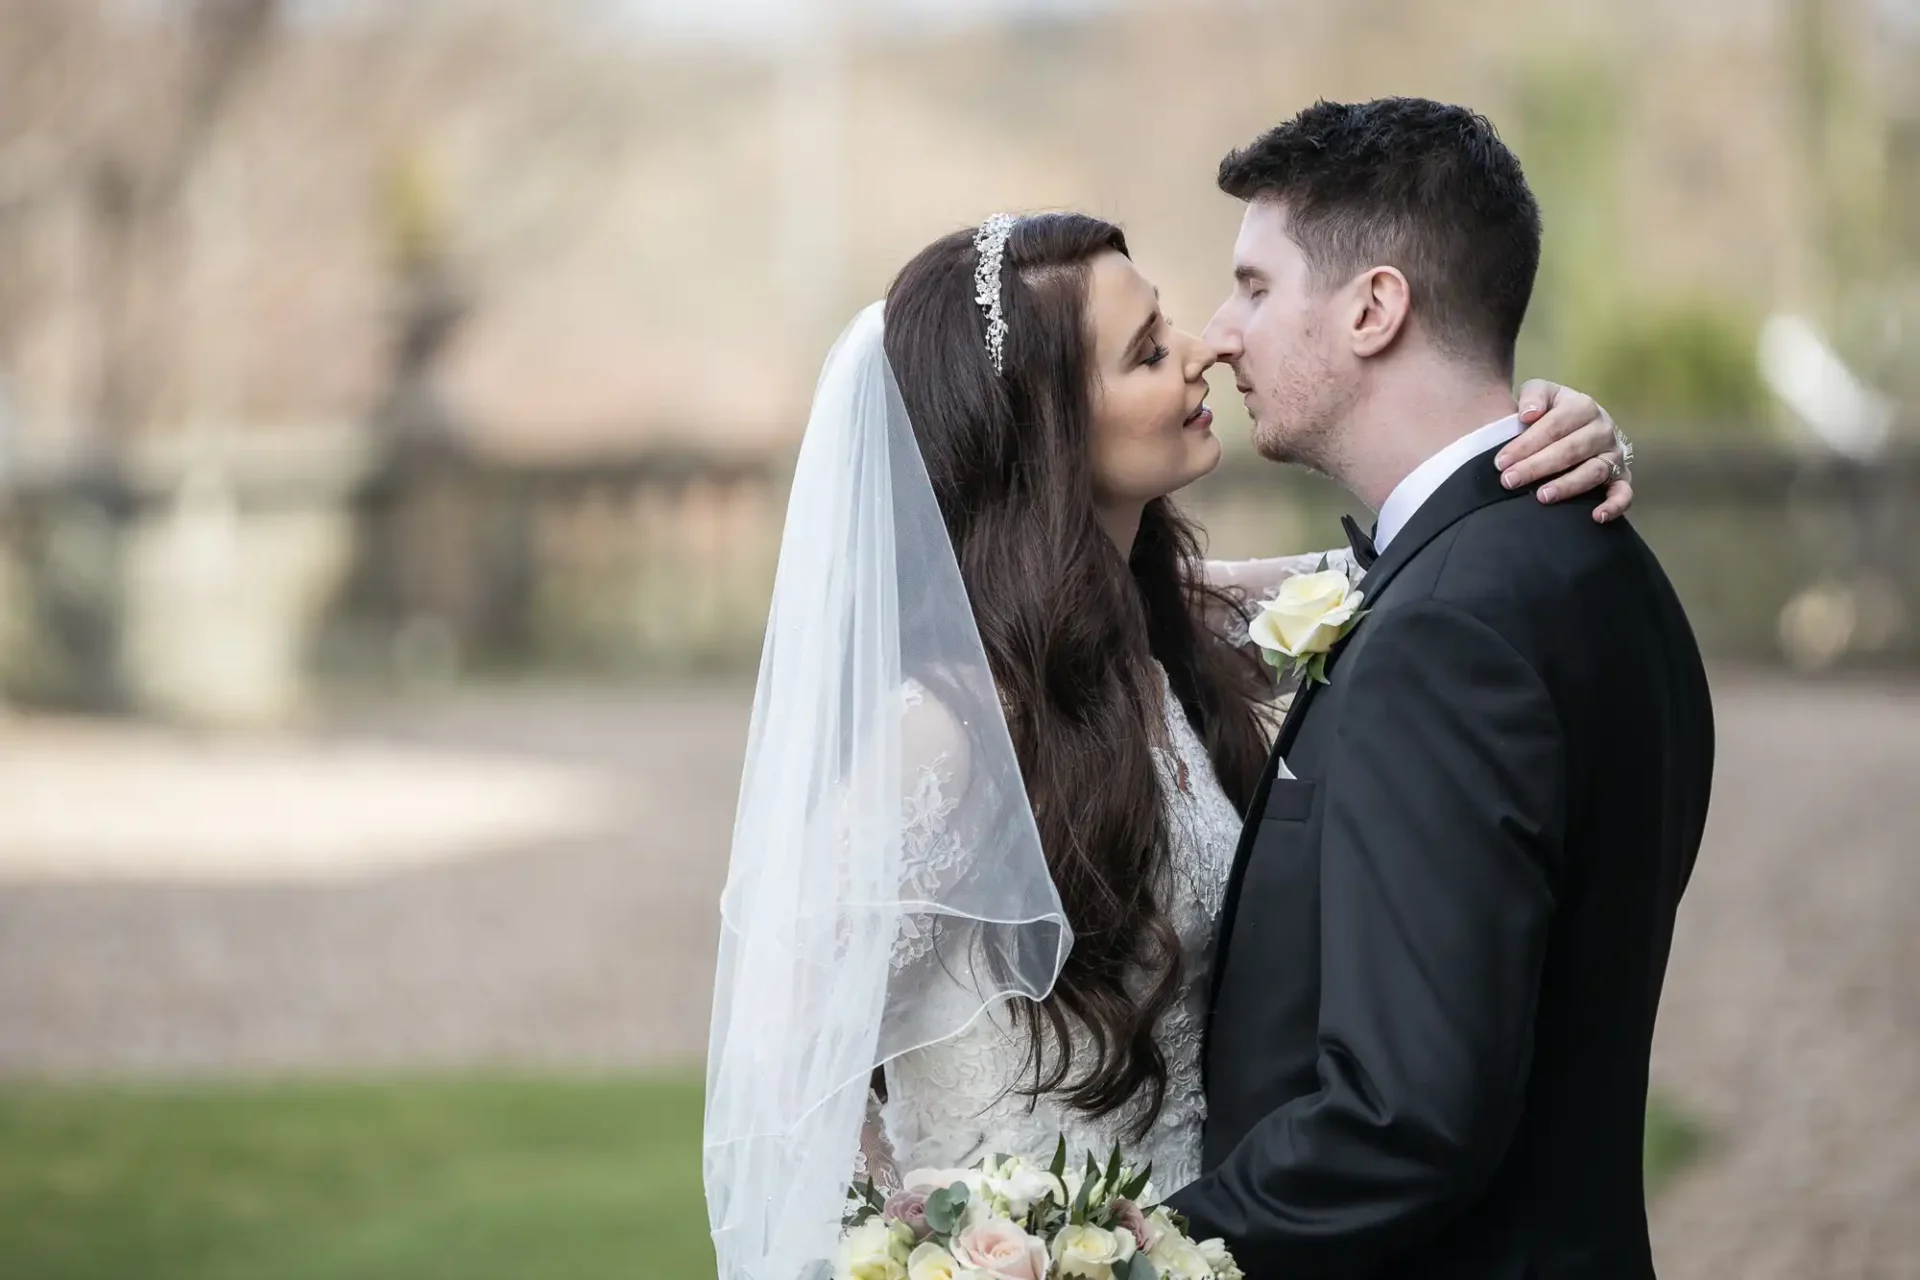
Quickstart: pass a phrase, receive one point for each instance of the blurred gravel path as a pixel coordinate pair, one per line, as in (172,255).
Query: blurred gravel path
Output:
(1791,1024)
(593,949)
(1791,1020)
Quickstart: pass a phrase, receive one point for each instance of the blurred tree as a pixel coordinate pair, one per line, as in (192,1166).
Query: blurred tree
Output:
(1686,366)
(1663,364)
(134,175)
(1567,132)
(109,112)
(429,300)
(1859,138)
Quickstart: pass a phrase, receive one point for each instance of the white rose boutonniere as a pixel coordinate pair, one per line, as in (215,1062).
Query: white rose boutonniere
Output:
(1311,613)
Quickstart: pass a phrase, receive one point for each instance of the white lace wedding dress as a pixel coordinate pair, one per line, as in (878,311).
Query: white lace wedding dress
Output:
(957,1102)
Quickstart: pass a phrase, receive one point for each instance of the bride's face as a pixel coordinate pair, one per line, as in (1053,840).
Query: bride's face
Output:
(1152,431)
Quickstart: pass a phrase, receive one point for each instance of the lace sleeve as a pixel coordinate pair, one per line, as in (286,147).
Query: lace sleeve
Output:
(875,1162)
(935,774)
(1250,583)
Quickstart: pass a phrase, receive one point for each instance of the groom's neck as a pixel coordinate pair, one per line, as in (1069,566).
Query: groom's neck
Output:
(1411,413)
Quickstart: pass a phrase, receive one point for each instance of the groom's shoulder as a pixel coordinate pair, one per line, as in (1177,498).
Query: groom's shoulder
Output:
(1524,552)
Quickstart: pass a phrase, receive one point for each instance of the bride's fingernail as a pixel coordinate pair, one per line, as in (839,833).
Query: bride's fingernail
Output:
(1548,494)
(1511,479)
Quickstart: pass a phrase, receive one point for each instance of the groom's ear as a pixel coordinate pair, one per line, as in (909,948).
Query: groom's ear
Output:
(1381,304)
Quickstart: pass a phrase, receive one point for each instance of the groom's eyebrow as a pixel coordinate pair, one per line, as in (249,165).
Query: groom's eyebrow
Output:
(1249,275)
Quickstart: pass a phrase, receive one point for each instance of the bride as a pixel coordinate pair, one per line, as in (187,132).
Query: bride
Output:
(1005,726)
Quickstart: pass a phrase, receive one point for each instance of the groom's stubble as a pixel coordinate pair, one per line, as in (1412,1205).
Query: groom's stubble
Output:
(1312,402)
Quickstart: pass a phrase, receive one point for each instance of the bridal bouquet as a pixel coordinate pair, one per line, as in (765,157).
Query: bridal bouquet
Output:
(1008,1219)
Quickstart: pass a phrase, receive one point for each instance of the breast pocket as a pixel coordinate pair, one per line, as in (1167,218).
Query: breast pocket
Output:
(1289,800)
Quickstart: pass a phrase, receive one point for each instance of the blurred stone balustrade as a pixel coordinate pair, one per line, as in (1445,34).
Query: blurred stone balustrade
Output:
(221,580)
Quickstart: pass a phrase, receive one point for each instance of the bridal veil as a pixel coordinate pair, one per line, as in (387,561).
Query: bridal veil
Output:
(887,884)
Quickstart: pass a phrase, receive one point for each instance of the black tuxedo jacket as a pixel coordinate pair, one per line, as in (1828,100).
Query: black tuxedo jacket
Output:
(1444,938)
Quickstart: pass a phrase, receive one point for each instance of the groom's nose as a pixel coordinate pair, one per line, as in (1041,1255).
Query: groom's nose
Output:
(1222,335)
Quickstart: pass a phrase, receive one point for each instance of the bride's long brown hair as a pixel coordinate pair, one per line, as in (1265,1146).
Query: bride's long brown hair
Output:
(1070,628)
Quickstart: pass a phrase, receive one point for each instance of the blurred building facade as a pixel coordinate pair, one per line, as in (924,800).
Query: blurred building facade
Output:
(656,236)
(252,248)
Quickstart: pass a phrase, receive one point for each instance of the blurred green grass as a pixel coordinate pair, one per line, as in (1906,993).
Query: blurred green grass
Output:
(480,1179)
(419,1179)
(1673,1142)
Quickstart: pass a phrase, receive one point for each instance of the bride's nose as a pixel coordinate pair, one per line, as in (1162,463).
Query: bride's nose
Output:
(1199,356)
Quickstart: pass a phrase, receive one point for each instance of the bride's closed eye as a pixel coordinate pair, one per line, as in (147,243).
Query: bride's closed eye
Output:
(1154,357)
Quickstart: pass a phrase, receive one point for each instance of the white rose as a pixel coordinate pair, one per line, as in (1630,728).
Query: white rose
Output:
(1307,614)
(1090,1252)
(1159,1226)
(1221,1260)
(876,1250)
(1020,1186)
(1177,1258)
(931,1262)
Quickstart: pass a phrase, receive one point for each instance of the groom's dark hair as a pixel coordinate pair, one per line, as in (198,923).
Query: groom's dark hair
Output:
(1408,183)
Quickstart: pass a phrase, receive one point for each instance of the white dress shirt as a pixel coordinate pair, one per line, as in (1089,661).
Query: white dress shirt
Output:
(1412,493)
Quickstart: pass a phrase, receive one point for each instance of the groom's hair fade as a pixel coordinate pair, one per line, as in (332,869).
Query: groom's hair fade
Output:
(1414,184)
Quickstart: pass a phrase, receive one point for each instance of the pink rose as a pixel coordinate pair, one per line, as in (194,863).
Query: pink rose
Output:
(1127,1214)
(909,1207)
(1002,1250)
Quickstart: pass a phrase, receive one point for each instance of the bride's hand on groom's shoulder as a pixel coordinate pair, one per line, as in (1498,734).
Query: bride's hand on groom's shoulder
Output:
(1571,441)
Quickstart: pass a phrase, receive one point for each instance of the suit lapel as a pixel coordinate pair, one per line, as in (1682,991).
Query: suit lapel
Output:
(1249,828)
(1473,486)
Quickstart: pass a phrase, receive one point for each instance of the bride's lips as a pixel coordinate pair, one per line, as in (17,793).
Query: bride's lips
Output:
(1200,419)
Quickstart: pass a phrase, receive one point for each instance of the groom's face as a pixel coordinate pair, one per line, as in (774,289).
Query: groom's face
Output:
(1277,332)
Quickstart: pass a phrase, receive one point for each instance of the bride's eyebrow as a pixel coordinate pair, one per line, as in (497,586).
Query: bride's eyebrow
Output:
(1148,326)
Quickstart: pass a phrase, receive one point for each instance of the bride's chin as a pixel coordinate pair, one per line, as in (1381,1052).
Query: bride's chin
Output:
(1208,454)
(1205,462)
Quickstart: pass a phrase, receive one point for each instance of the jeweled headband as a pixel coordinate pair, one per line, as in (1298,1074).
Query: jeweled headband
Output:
(990,245)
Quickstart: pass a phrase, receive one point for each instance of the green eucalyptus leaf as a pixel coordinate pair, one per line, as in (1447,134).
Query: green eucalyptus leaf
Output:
(943,1215)
(1059,1166)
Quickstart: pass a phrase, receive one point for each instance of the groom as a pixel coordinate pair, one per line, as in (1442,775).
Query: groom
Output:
(1450,911)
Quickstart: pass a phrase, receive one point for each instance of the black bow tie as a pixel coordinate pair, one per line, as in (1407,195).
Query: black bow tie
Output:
(1364,552)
